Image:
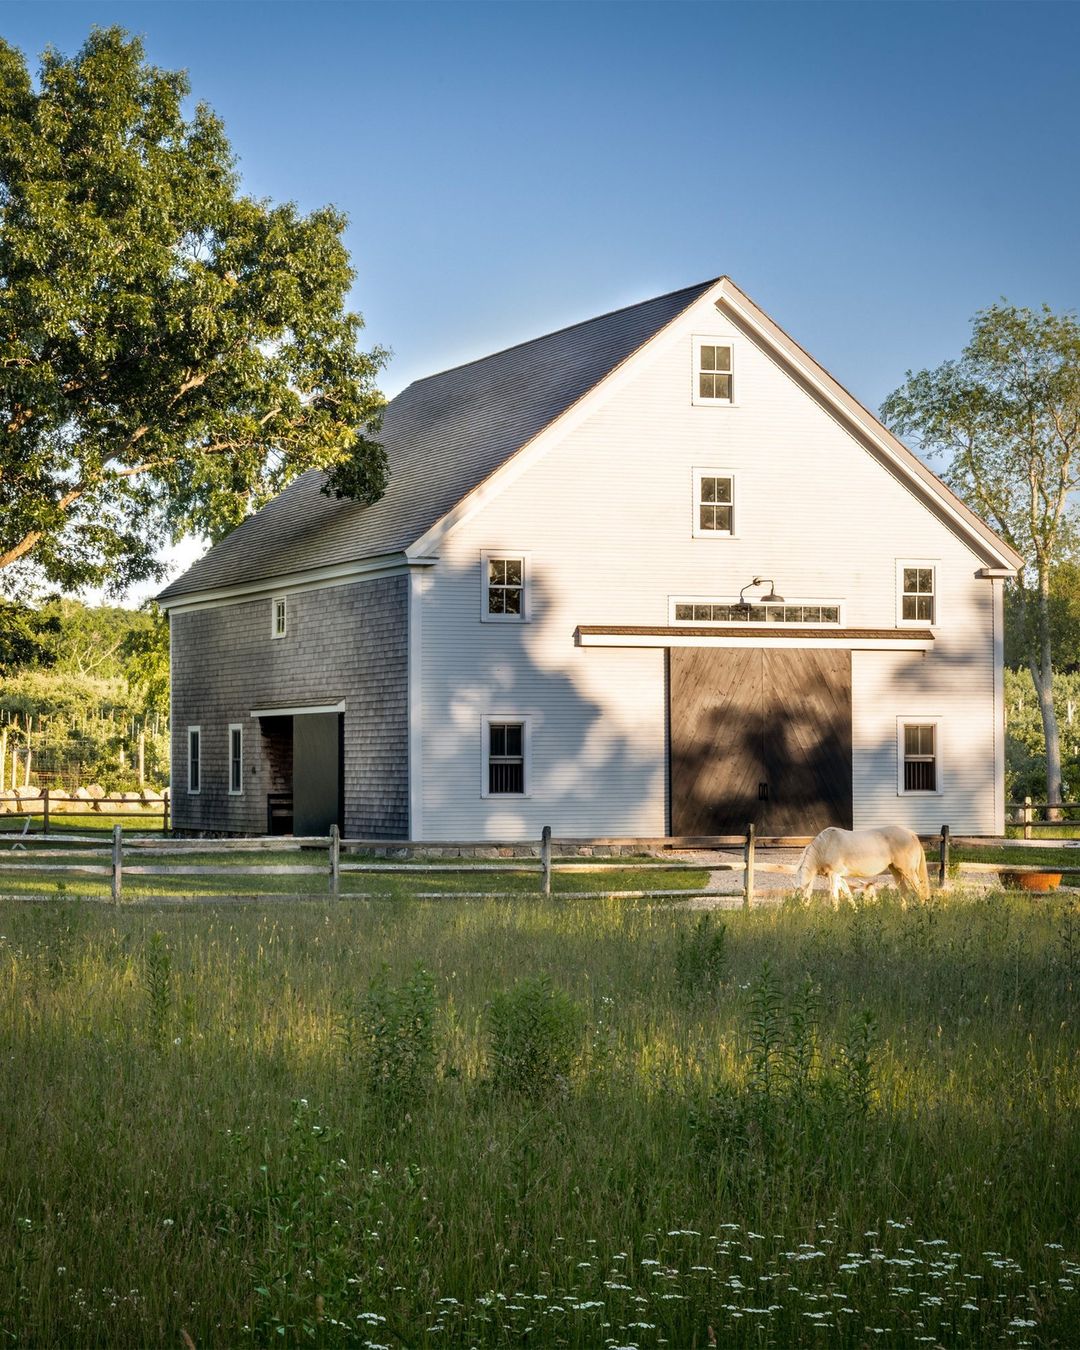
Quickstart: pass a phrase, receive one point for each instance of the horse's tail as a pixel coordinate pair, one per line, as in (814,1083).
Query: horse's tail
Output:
(924,878)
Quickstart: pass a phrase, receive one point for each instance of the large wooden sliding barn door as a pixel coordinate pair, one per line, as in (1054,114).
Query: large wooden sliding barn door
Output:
(760,736)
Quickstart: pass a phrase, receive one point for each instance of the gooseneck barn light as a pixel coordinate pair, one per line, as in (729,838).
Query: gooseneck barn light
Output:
(771,599)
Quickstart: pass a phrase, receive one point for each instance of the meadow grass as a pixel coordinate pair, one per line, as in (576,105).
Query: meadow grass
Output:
(785,1126)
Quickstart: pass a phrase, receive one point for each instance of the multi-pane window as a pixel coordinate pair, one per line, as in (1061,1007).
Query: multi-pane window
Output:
(714,503)
(506,759)
(280,617)
(697,612)
(920,757)
(236,759)
(505,588)
(917,595)
(194,760)
(714,372)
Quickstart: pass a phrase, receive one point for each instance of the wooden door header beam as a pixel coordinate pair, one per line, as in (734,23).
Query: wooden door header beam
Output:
(850,639)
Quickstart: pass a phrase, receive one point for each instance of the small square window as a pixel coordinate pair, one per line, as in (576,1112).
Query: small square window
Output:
(714,503)
(918,593)
(279,620)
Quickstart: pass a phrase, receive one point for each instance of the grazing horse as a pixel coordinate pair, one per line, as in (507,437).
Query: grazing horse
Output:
(839,854)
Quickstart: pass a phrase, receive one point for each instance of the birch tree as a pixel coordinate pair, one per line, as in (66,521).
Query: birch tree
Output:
(1005,417)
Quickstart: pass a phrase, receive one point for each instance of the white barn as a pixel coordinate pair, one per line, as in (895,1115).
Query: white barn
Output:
(657,574)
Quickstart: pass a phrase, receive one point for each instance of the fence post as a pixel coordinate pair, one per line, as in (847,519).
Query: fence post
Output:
(117,863)
(165,812)
(748,870)
(335,860)
(1027,817)
(45,810)
(943,862)
(545,859)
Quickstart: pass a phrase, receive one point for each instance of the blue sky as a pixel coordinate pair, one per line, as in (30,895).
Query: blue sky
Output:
(870,173)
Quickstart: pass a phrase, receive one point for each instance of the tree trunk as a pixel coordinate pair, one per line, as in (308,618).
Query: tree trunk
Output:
(1042,672)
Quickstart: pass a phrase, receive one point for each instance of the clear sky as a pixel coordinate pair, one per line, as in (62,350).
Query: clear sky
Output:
(871,173)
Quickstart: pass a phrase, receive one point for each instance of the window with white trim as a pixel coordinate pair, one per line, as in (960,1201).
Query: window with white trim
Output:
(918,753)
(918,593)
(731,612)
(504,587)
(714,370)
(714,503)
(505,756)
(280,616)
(194,759)
(236,759)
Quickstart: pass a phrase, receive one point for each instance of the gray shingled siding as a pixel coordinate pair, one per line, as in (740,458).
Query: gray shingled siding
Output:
(344,642)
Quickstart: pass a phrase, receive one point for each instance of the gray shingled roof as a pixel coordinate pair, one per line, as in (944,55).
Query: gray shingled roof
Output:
(443,436)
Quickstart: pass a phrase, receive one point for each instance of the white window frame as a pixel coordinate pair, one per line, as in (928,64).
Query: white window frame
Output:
(700,472)
(194,791)
(283,601)
(916,720)
(736,624)
(697,398)
(498,718)
(489,555)
(934,565)
(238,728)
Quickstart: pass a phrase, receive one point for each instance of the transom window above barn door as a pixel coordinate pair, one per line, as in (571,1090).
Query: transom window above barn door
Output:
(918,755)
(714,371)
(917,592)
(505,756)
(504,597)
(696,611)
(714,503)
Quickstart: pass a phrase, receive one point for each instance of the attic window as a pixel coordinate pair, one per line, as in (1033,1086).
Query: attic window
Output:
(714,371)
(917,586)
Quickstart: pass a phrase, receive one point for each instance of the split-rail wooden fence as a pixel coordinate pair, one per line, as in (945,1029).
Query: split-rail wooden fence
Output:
(153,857)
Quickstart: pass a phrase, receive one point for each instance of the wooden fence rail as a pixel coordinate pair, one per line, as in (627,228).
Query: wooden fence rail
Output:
(145,857)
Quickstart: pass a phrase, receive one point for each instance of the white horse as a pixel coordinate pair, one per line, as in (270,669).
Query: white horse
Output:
(838,854)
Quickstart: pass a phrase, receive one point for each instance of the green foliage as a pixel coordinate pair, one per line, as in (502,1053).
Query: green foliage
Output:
(28,637)
(394,1037)
(173,353)
(105,688)
(534,1032)
(791,1099)
(157,984)
(1025,740)
(701,956)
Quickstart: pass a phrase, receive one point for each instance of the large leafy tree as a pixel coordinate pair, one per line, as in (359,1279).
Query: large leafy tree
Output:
(172,352)
(1006,417)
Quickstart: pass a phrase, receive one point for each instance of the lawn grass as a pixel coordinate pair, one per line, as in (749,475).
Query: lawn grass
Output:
(857,1127)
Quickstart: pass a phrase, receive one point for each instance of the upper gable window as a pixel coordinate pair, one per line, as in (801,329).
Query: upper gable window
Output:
(917,592)
(504,597)
(279,617)
(714,503)
(714,370)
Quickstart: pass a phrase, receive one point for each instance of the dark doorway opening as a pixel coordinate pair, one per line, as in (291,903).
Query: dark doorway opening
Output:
(306,757)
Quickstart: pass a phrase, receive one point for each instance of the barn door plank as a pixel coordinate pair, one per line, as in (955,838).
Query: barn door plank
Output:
(807,732)
(717,758)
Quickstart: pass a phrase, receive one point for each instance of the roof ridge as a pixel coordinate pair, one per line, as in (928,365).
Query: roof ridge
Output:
(698,286)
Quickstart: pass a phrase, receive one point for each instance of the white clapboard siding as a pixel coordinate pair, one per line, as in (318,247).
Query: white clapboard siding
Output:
(605,517)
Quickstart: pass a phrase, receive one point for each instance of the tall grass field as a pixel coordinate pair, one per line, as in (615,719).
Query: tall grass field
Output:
(510,1122)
